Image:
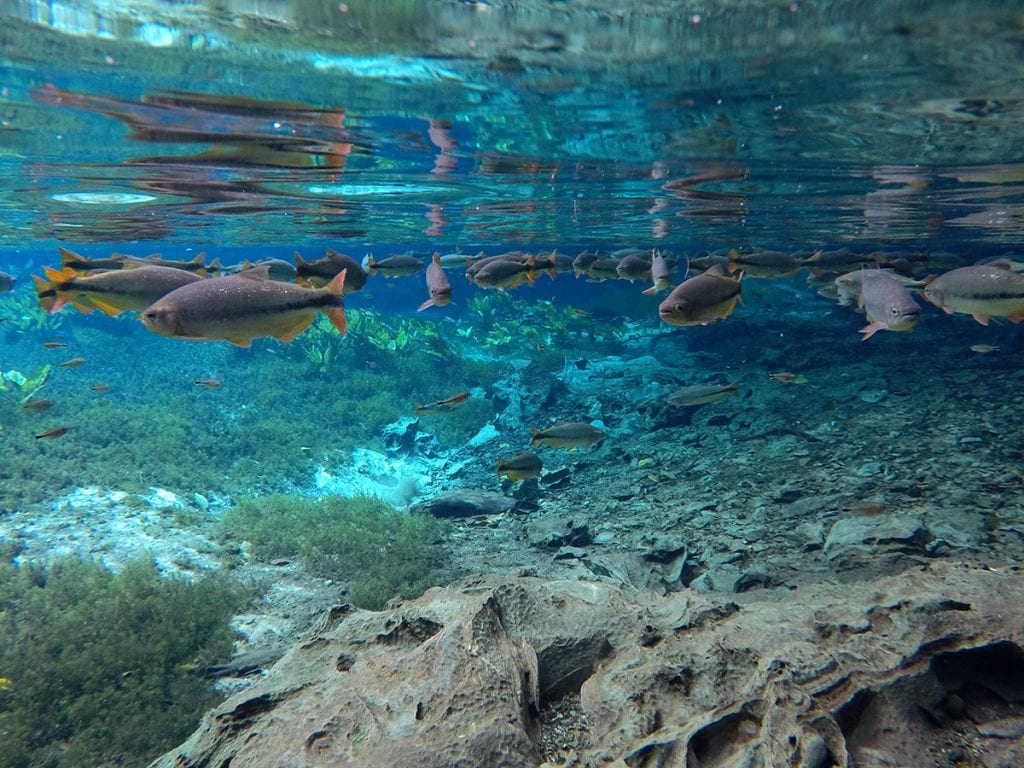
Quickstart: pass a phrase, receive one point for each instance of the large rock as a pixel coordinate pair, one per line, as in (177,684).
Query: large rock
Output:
(910,670)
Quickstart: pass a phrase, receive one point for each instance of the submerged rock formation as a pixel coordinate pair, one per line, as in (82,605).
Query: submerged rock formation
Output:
(923,668)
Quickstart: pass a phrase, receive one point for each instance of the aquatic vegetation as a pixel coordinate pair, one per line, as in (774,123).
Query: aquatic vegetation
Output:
(380,551)
(23,315)
(22,387)
(102,668)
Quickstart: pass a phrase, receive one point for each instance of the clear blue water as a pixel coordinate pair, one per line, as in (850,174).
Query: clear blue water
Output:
(253,130)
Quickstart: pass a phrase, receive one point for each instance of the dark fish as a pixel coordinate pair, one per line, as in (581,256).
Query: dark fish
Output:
(320,272)
(6,282)
(240,308)
(100,388)
(71,260)
(277,269)
(660,271)
(37,406)
(887,304)
(52,434)
(522,466)
(443,405)
(504,273)
(570,435)
(760,262)
(702,394)
(132,288)
(702,299)
(634,266)
(438,287)
(398,265)
(54,344)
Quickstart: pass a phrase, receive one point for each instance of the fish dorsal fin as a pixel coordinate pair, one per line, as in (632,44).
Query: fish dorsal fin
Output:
(715,270)
(1001,264)
(261,272)
(299,261)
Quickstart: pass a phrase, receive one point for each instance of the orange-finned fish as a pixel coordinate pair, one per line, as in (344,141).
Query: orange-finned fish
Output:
(438,286)
(74,362)
(246,306)
(132,288)
(52,434)
(570,435)
(522,466)
(318,273)
(443,405)
(208,383)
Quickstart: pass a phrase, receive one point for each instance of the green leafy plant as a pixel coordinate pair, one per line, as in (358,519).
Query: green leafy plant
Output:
(380,551)
(102,668)
(21,386)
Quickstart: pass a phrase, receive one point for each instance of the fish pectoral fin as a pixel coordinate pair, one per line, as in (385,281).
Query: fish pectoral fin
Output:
(983,319)
(870,330)
(290,334)
(425,305)
(240,341)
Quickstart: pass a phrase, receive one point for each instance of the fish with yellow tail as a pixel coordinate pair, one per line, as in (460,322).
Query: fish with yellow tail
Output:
(246,306)
(438,286)
(569,435)
(520,467)
(983,291)
(443,405)
(702,299)
(320,272)
(130,289)
(887,304)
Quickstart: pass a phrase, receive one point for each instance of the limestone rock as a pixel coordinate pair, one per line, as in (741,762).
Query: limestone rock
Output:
(884,671)
(467,502)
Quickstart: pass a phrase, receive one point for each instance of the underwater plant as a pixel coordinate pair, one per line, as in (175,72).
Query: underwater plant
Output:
(380,551)
(21,386)
(23,315)
(102,668)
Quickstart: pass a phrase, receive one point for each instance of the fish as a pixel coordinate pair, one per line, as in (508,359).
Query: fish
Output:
(72,260)
(983,349)
(505,273)
(100,388)
(570,435)
(320,272)
(196,265)
(277,269)
(634,266)
(443,405)
(760,262)
(399,265)
(887,304)
(788,377)
(54,344)
(517,256)
(240,308)
(208,383)
(438,287)
(660,271)
(39,405)
(981,291)
(520,467)
(583,261)
(848,285)
(74,362)
(6,282)
(53,434)
(555,263)
(702,299)
(702,394)
(132,288)
(601,268)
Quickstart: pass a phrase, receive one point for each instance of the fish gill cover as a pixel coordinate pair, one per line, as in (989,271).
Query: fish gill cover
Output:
(721,299)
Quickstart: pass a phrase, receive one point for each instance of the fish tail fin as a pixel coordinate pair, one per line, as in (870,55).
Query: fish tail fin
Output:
(869,331)
(536,440)
(420,410)
(46,292)
(337,314)
(734,390)
(214,266)
(436,258)
(652,291)
(57,278)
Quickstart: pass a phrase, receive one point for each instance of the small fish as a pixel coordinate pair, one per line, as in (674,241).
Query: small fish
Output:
(320,272)
(54,344)
(240,308)
(208,383)
(443,405)
(702,394)
(787,377)
(660,271)
(702,299)
(864,508)
(73,261)
(570,435)
(760,262)
(983,349)
(983,292)
(520,467)
(100,388)
(887,304)
(504,273)
(74,362)
(399,265)
(438,286)
(6,282)
(37,406)
(52,434)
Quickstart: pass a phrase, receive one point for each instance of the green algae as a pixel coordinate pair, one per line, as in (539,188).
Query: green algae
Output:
(380,551)
(103,667)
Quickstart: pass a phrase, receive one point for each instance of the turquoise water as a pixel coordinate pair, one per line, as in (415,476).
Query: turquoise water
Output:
(250,131)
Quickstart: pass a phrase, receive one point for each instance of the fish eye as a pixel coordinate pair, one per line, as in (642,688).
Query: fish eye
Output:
(894,311)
